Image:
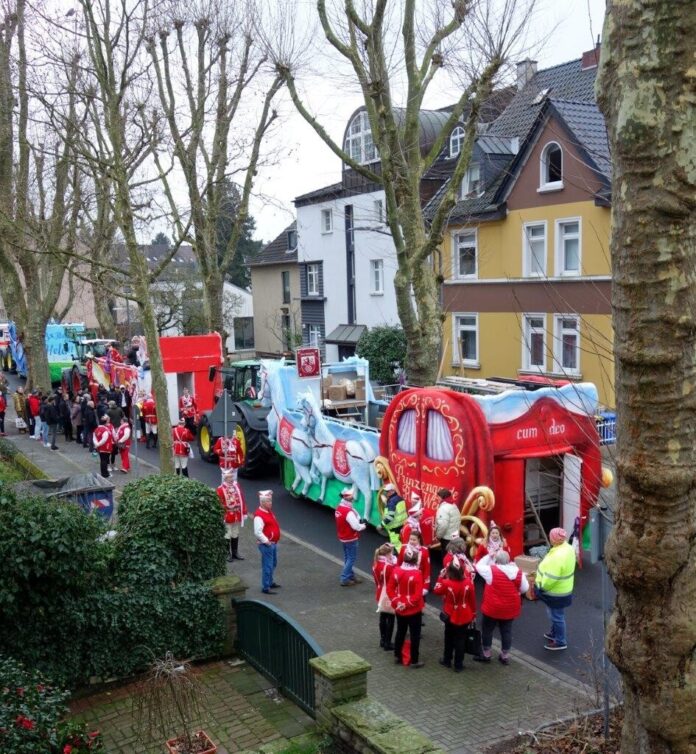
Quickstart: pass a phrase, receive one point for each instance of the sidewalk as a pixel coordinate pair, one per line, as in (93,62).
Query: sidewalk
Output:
(463,713)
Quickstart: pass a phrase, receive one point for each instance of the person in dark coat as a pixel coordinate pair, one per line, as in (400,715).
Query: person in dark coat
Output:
(52,419)
(102,407)
(90,424)
(84,400)
(66,416)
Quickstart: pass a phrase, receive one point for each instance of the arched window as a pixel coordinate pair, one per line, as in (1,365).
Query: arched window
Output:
(551,166)
(358,143)
(406,433)
(456,141)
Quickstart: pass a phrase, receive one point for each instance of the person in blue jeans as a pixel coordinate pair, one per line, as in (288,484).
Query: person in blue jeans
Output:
(267,533)
(348,528)
(554,587)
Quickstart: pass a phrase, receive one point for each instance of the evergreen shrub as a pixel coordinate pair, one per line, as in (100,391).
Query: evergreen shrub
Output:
(383,347)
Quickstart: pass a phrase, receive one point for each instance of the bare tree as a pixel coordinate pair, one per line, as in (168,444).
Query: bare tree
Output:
(370,38)
(206,57)
(122,137)
(39,193)
(646,91)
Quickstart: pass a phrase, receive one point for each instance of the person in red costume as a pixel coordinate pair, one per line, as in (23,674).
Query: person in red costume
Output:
(492,543)
(405,590)
(149,412)
(456,587)
(415,542)
(230,453)
(382,566)
(413,522)
(114,354)
(188,410)
(181,437)
(505,584)
(348,528)
(104,444)
(232,501)
(267,533)
(122,439)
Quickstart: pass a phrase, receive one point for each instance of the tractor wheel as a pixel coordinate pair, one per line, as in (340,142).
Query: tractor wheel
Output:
(257,458)
(206,441)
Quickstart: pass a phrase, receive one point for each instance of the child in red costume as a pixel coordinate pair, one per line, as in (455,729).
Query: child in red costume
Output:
(492,543)
(382,567)
(415,542)
(232,501)
(181,437)
(230,454)
(456,587)
(405,590)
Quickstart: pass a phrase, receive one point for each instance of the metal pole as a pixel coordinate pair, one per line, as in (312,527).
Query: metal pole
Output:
(605,669)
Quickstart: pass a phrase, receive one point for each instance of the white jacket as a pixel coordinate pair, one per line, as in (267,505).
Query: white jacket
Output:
(447,520)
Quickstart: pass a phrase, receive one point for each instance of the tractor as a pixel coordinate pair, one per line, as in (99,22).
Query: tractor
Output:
(238,410)
(74,378)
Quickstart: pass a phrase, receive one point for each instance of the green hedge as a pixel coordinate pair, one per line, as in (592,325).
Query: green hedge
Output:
(74,606)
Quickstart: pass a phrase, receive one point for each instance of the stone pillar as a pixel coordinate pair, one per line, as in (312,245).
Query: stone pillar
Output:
(226,589)
(339,677)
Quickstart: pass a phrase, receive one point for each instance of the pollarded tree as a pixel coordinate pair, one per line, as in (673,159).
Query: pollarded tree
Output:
(646,91)
(422,38)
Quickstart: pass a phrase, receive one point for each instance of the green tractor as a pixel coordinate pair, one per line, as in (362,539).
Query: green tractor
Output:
(238,411)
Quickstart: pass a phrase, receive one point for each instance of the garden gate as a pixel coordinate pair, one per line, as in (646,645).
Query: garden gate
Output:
(276,645)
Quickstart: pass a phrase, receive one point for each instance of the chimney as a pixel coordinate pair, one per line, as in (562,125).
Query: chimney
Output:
(590,59)
(525,71)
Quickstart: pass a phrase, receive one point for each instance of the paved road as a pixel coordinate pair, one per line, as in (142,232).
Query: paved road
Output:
(314,524)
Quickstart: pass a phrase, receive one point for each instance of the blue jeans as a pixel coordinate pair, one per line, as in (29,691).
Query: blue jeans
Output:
(269,560)
(44,433)
(558,624)
(350,552)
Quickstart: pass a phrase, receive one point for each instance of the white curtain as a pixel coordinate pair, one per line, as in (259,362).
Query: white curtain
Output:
(439,442)
(407,431)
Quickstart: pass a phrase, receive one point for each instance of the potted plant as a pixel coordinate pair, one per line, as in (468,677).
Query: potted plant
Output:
(168,701)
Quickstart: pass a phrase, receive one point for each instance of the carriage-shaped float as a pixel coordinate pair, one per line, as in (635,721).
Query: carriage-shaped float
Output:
(529,460)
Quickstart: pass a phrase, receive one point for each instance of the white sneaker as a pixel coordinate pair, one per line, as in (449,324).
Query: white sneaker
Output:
(47,445)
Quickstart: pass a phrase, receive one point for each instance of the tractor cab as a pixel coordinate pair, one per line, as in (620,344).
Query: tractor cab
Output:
(92,347)
(243,381)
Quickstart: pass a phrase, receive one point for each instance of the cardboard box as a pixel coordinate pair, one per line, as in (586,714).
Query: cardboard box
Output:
(325,385)
(360,389)
(337,392)
(527,564)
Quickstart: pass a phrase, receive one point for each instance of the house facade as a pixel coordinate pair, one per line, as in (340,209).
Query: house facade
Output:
(275,288)
(526,262)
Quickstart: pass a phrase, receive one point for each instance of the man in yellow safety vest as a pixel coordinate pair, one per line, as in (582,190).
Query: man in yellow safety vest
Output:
(554,586)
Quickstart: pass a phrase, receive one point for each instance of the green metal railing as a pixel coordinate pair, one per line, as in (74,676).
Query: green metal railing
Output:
(278,647)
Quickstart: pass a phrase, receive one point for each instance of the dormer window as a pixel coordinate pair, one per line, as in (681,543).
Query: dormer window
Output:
(551,168)
(471,184)
(456,141)
(292,240)
(359,144)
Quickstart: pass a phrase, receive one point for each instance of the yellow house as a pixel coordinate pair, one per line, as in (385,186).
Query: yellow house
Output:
(526,262)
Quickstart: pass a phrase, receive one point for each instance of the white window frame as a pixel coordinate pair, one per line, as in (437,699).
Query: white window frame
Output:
(379,211)
(527,331)
(326,214)
(456,271)
(375,265)
(544,184)
(560,249)
(465,189)
(558,331)
(456,330)
(313,289)
(314,335)
(526,249)
(456,140)
(359,136)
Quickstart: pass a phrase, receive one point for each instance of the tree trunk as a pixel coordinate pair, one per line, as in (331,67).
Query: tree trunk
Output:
(213,291)
(102,311)
(646,90)
(34,342)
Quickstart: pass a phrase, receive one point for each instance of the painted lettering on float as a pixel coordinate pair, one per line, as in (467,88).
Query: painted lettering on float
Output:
(556,429)
(527,433)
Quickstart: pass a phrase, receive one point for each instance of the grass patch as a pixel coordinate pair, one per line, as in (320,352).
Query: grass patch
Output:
(10,473)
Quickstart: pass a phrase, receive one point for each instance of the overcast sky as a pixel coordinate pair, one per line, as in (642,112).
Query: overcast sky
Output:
(303,163)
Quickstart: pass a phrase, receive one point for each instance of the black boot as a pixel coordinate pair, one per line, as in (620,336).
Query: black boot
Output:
(185,472)
(230,556)
(389,620)
(235,545)
(178,472)
(147,441)
(382,630)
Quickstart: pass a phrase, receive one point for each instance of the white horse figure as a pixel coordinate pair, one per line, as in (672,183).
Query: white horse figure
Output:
(293,442)
(357,455)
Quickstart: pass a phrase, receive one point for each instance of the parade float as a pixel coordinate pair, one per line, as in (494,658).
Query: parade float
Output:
(527,459)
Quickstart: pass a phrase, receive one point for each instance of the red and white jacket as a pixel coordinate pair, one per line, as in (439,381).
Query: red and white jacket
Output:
(381,572)
(348,526)
(482,550)
(122,436)
(187,406)
(104,438)
(181,437)
(3,404)
(458,599)
(229,452)
(232,500)
(405,590)
(149,411)
(268,529)
(412,524)
(504,585)
(423,564)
